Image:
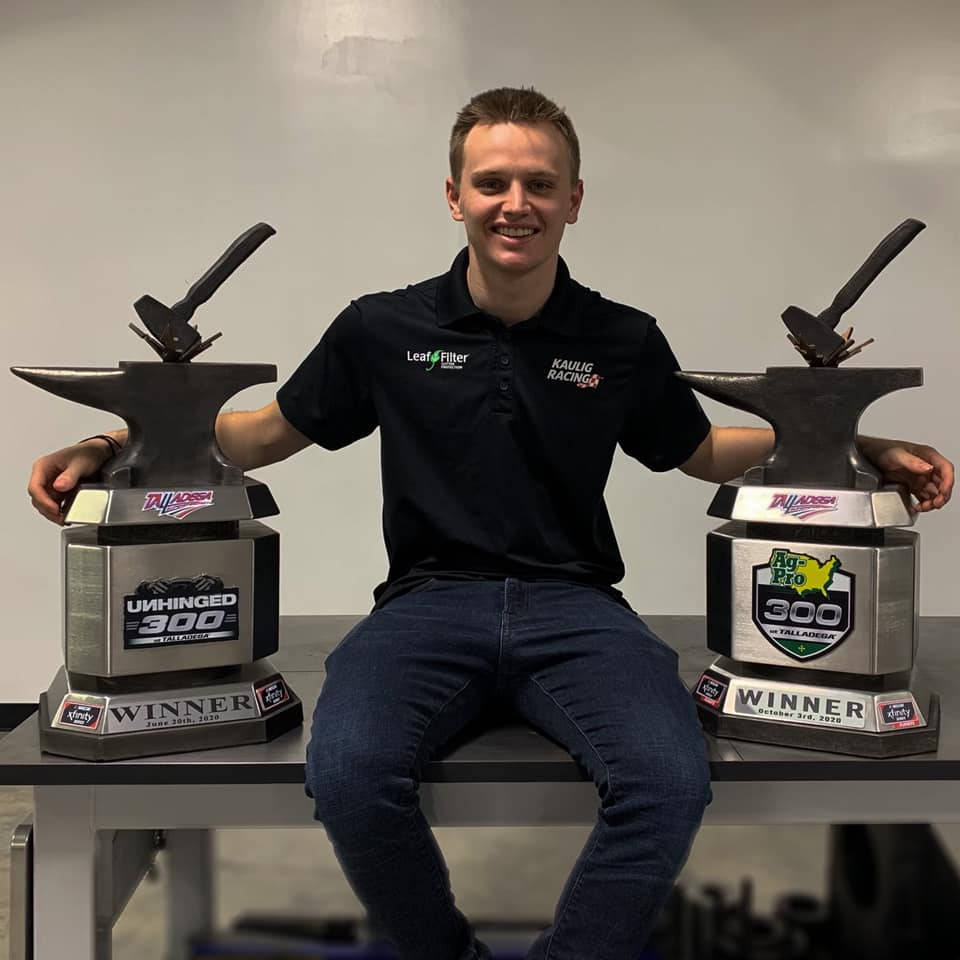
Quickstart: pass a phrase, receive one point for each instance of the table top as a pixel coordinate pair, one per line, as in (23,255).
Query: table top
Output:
(498,749)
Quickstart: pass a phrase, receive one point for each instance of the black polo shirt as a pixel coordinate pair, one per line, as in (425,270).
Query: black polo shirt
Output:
(496,441)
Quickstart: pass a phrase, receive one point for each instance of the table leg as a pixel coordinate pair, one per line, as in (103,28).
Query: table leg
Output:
(189,889)
(64,888)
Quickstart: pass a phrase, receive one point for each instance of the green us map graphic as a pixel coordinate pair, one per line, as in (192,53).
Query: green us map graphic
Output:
(803,573)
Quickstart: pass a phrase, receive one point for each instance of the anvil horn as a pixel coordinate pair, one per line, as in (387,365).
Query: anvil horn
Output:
(745,391)
(95,387)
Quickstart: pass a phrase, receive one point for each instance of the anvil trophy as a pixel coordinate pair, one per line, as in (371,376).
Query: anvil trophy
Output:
(170,584)
(812,583)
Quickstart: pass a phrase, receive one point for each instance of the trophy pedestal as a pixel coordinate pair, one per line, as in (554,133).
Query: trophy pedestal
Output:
(171,605)
(861,716)
(133,609)
(95,718)
(843,601)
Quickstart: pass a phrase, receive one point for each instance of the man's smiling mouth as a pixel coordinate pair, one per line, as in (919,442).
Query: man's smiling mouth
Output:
(515,232)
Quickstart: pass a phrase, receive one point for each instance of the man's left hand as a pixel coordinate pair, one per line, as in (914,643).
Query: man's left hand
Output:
(925,472)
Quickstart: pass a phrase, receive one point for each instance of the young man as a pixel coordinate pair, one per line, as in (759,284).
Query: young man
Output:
(501,390)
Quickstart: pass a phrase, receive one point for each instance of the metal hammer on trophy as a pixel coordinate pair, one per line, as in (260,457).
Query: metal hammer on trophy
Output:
(811,584)
(170,582)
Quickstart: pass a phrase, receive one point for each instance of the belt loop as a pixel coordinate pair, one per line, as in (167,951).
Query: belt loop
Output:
(516,596)
(510,598)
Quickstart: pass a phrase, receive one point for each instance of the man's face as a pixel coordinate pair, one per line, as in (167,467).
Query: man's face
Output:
(515,177)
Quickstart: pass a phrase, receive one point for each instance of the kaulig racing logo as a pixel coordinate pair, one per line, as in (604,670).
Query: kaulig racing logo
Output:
(445,359)
(578,372)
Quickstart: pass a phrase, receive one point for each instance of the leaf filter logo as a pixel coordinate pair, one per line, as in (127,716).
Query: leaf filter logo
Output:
(445,359)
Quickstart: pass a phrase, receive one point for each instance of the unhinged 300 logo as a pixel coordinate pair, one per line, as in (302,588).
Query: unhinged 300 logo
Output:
(801,604)
(190,610)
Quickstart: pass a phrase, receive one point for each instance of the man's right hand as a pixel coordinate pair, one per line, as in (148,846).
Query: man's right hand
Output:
(56,474)
(248,438)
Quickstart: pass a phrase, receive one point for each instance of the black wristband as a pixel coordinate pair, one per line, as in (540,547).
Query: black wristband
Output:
(114,446)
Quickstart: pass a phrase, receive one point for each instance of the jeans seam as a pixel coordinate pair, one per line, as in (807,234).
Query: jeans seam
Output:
(593,845)
(504,626)
(576,886)
(577,727)
(437,876)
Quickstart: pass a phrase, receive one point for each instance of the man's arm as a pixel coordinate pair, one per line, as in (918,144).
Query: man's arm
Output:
(727,452)
(256,438)
(250,439)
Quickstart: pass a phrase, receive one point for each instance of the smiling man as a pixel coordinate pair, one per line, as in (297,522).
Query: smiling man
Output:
(501,390)
(515,188)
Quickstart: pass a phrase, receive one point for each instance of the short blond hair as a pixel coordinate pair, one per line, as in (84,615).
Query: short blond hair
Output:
(511,105)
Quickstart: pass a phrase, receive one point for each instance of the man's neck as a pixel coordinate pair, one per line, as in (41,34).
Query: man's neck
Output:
(508,296)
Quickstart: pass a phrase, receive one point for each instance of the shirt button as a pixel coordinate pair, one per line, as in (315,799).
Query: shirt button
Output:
(504,360)
(504,386)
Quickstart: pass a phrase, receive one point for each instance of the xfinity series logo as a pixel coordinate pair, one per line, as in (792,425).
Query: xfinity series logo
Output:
(83,715)
(177,503)
(579,372)
(272,694)
(898,713)
(445,359)
(801,505)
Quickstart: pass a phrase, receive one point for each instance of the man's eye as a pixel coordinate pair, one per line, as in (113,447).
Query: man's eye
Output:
(542,184)
(489,184)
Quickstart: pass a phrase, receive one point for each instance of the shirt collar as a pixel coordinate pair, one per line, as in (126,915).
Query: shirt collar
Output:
(455,303)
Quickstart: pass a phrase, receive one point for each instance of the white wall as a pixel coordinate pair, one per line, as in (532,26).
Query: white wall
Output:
(737,157)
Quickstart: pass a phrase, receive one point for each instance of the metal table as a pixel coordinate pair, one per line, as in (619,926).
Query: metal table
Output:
(94,823)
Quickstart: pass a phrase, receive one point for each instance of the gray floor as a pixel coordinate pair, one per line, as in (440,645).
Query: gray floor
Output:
(496,872)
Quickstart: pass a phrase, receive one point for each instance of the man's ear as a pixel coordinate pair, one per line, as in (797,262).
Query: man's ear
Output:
(453,199)
(576,198)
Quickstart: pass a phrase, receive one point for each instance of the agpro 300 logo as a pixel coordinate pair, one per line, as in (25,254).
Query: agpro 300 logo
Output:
(803,505)
(445,359)
(177,503)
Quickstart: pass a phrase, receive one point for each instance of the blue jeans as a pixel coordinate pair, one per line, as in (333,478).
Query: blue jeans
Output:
(570,661)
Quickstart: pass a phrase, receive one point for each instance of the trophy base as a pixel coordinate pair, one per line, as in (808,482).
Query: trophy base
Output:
(84,718)
(857,722)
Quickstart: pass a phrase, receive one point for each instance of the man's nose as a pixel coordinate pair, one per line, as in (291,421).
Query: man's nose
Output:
(516,198)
